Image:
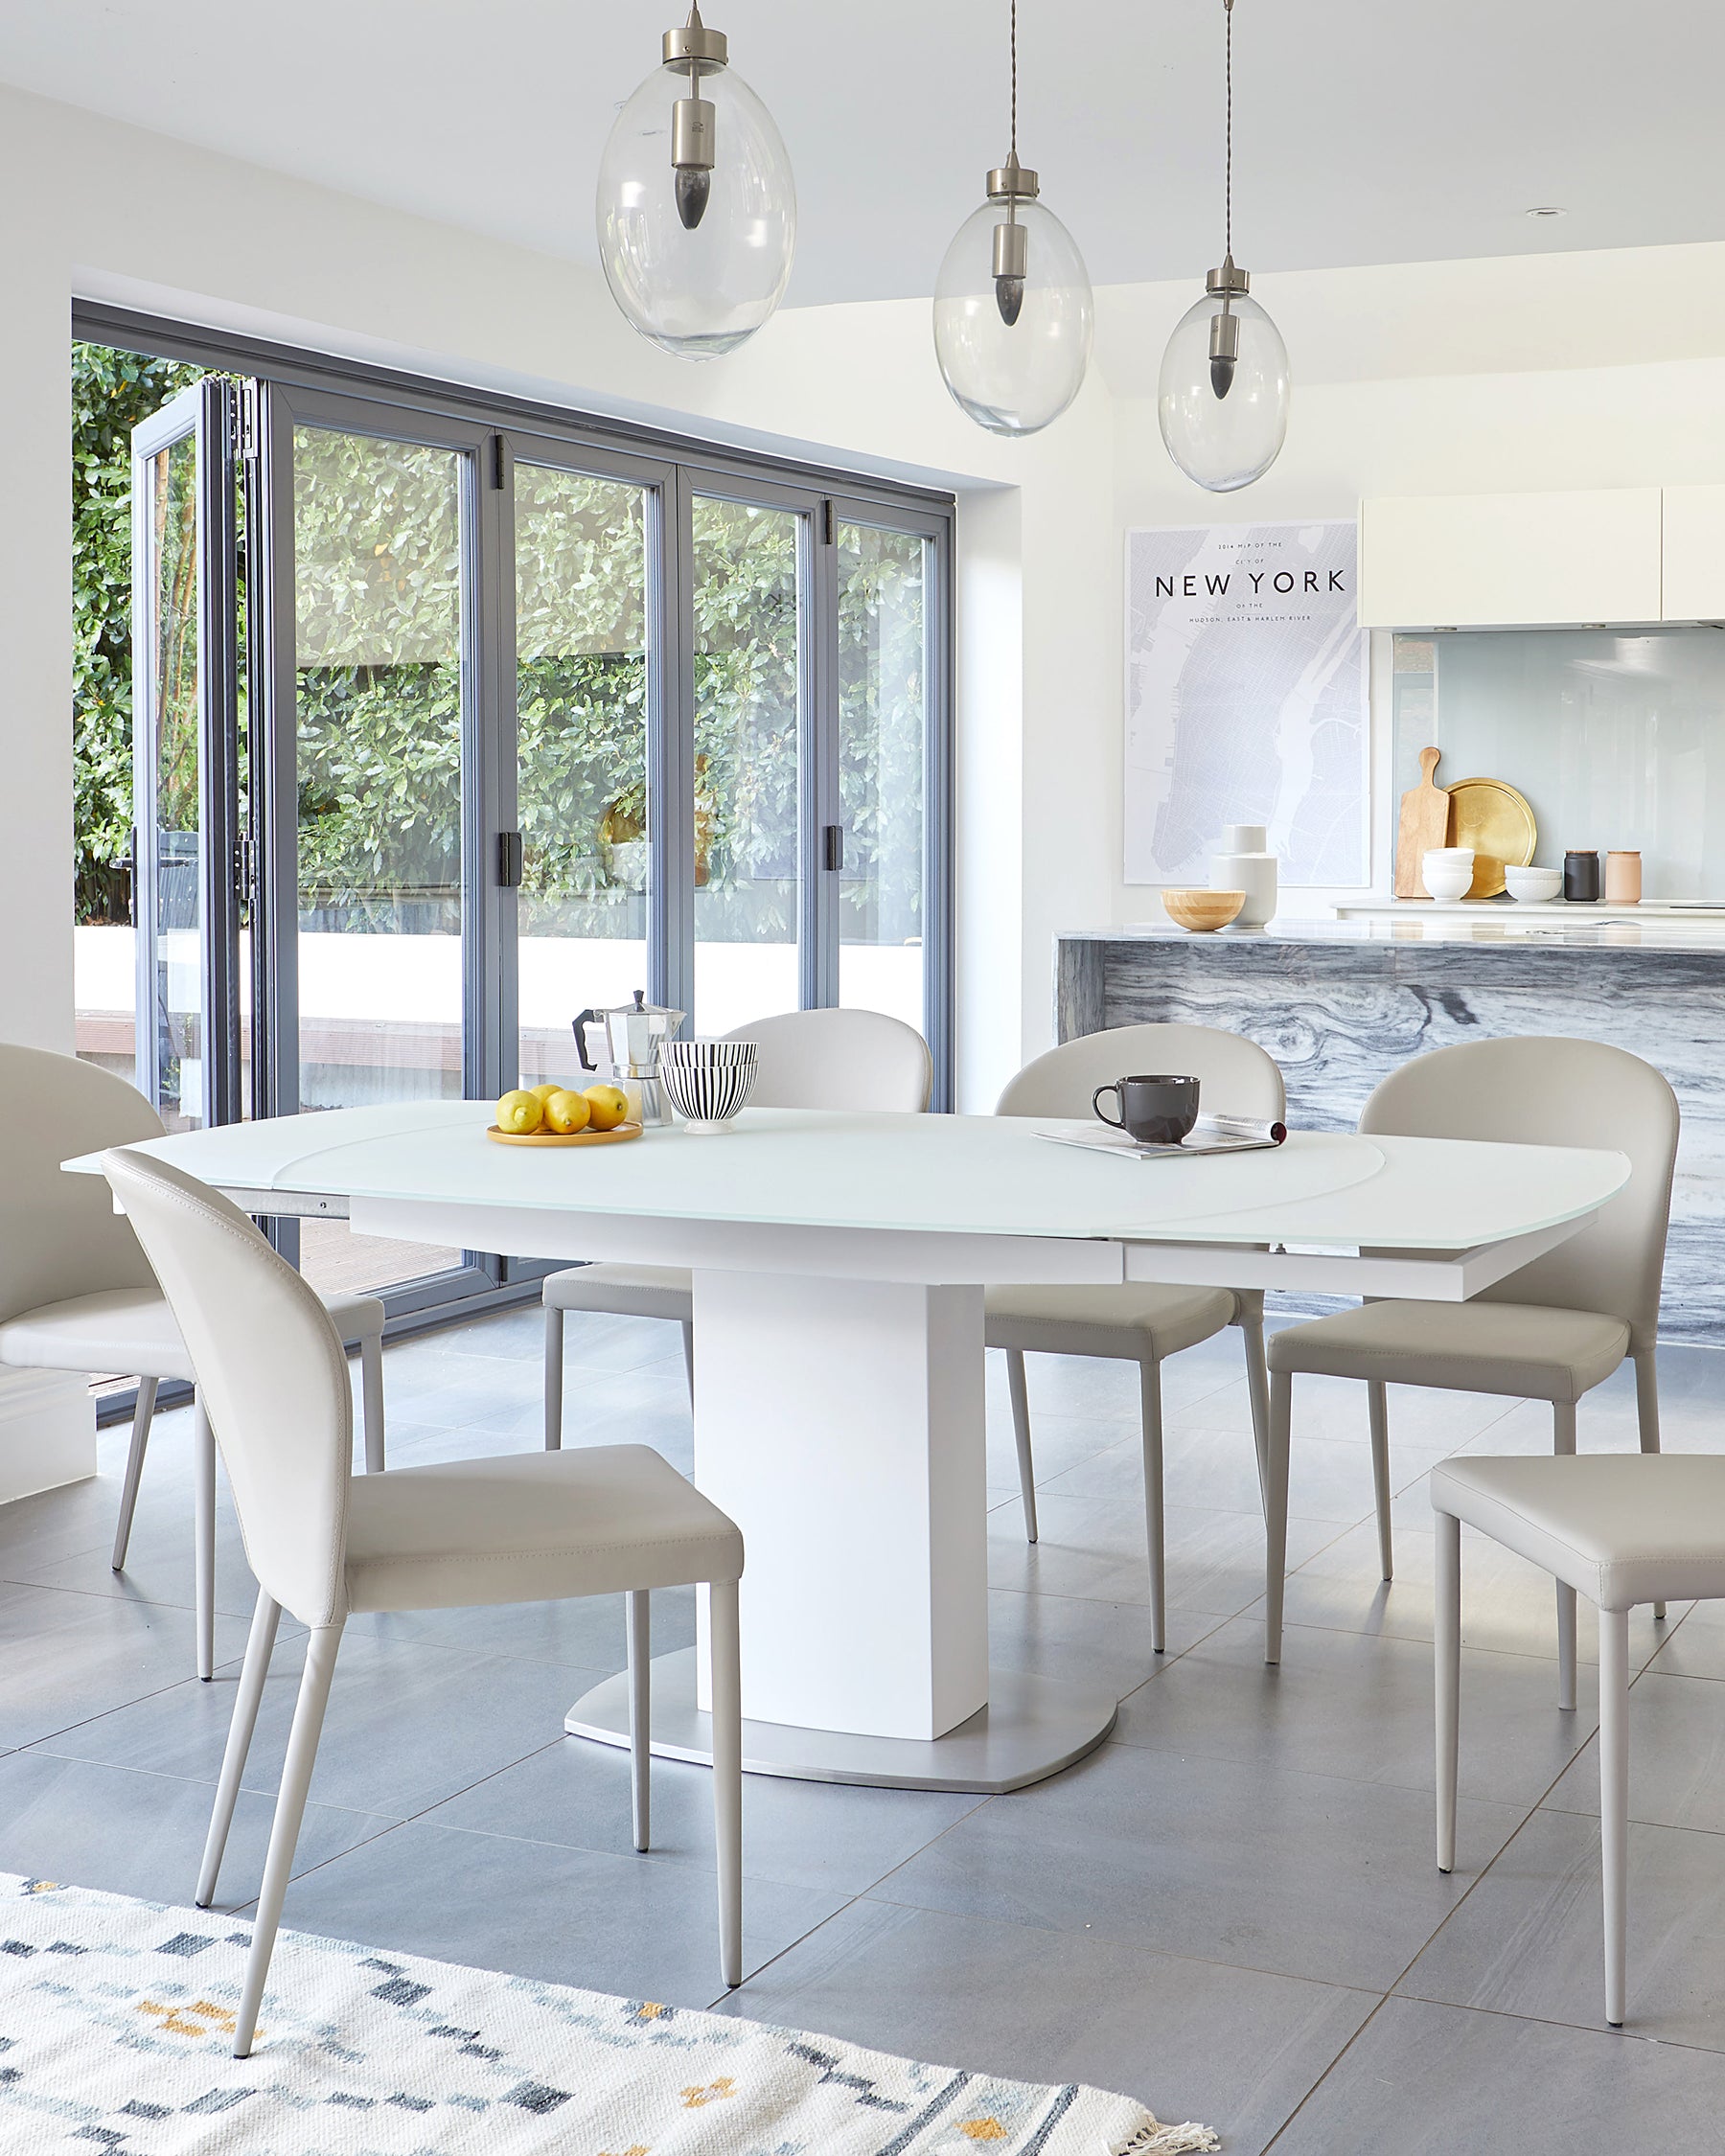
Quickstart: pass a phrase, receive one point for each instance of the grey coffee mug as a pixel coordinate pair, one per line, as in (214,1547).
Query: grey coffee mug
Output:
(1152,1110)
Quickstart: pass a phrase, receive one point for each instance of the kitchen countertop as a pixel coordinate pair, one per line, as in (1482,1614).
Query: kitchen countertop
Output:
(1485,927)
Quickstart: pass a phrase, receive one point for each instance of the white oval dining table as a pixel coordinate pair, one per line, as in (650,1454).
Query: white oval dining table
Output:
(839,1262)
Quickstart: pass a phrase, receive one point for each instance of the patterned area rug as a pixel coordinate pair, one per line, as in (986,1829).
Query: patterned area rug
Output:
(116,2018)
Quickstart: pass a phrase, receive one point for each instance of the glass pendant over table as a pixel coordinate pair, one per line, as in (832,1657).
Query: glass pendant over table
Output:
(697,206)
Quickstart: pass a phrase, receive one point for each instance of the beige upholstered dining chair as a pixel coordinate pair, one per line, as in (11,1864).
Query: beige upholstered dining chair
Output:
(1551,1331)
(1619,1528)
(78,1294)
(323,1543)
(839,1058)
(1142,1323)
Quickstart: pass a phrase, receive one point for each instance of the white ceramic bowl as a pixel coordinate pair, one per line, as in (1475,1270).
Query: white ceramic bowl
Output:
(1534,886)
(1447,871)
(708,1082)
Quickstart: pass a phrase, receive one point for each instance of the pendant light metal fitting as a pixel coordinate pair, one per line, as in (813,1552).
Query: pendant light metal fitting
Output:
(694,128)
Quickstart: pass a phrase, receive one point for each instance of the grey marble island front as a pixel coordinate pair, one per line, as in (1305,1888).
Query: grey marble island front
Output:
(1338,1005)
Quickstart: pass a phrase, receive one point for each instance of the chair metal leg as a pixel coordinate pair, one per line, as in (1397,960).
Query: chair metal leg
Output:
(1150,1399)
(259,1648)
(1276,1509)
(203,1539)
(371,1396)
(1614,1802)
(554,1377)
(727,1776)
(688,1333)
(1563,1440)
(134,1467)
(1446,1636)
(1377,1408)
(1646,1416)
(1250,1322)
(640,1712)
(321,1649)
(1021,1437)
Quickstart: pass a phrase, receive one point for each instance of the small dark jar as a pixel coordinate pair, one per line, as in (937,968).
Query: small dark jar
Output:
(1580,876)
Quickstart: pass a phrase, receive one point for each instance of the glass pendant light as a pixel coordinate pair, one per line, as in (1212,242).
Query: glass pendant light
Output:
(696,208)
(1223,399)
(1013,313)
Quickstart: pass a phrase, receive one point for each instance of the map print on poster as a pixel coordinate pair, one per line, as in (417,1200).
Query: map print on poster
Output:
(1247,699)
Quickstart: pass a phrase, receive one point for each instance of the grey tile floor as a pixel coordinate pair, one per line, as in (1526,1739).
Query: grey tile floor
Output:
(1230,1910)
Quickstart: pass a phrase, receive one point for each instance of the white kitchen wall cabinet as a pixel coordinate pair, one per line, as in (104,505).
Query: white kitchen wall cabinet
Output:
(1695,554)
(1505,560)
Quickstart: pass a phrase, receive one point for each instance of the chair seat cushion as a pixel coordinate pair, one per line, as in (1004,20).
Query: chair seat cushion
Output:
(624,1291)
(130,1332)
(1515,1348)
(531,1528)
(1619,1527)
(1130,1321)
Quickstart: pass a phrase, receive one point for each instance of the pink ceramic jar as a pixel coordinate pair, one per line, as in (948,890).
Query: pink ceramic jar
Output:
(1623,879)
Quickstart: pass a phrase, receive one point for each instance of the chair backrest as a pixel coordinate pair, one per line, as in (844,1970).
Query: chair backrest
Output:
(270,1372)
(60,1235)
(839,1058)
(1544,1092)
(1234,1077)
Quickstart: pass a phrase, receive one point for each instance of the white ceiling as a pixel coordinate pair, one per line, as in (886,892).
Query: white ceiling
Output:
(1366,130)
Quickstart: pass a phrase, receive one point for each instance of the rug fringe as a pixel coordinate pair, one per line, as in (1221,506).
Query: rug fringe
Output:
(1157,2139)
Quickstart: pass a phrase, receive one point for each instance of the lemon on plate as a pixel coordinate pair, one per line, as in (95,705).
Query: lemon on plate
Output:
(520,1113)
(608,1106)
(543,1093)
(566,1112)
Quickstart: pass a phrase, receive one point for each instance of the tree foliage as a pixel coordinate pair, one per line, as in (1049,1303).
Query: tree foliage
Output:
(111,393)
(379,658)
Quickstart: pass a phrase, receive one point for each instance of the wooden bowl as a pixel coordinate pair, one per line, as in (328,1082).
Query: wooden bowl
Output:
(1202,910)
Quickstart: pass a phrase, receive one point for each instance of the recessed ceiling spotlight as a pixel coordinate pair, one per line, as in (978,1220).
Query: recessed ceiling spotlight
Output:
(1547,210)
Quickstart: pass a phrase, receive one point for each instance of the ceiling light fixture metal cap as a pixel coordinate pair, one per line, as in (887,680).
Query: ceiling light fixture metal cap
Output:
(1228,280)
(695,41)
(1012,182)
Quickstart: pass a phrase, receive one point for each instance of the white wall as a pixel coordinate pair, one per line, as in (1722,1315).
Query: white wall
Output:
(1546,373)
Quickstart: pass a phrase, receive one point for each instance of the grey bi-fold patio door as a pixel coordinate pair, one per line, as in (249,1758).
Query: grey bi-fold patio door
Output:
(451,729)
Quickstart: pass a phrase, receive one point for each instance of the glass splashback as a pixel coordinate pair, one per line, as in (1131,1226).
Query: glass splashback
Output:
(1616,737)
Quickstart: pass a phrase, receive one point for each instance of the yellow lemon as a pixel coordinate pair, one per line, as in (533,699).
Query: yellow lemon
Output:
(543,1093)
(518,1114)
(608,1106)
(566,1112)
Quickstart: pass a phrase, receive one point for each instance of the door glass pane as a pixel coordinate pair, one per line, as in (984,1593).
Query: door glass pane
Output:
(178,1027)
(747,784)
(580,691)
(379,695)
(883,718)
(112,392)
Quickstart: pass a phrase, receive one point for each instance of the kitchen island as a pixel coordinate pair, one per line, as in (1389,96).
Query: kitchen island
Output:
(1341,1004)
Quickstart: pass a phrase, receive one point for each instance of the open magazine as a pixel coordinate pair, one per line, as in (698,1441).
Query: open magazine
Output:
(1210,1134)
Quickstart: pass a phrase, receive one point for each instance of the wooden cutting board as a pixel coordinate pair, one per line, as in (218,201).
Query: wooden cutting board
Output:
(1424,823)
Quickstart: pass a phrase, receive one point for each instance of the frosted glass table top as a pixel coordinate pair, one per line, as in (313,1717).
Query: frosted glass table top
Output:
(967,1175)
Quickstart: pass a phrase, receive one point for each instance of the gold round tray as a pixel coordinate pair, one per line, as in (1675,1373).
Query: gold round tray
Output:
(1495,821)
(618,1136)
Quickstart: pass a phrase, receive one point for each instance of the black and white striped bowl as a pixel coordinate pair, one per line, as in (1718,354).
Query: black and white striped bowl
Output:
(708,1082)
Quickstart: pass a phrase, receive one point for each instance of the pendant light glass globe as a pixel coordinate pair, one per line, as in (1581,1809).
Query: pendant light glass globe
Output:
(1224,419)
(697,246)
(1013,350)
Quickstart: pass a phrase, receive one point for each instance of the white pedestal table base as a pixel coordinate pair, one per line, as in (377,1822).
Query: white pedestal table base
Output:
(1032,1728)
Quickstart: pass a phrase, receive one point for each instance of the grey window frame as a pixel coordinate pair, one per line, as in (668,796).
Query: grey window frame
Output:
(287,385)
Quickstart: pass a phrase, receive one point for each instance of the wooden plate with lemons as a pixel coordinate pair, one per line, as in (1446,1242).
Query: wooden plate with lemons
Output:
(617,1136)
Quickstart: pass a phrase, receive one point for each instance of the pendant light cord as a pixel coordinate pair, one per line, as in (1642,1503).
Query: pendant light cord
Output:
(1228,185)
(1015,79)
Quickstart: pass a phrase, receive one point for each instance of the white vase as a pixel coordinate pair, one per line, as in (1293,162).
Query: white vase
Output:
(1246,864)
